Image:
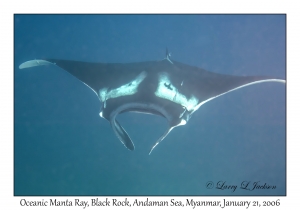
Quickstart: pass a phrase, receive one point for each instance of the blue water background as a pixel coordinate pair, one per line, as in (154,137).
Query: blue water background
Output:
(63,147)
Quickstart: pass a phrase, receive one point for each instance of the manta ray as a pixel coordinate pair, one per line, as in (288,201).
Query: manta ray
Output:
(166,88)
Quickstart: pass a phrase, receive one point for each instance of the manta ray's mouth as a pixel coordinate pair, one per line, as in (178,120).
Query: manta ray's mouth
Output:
(141,108)
(143,111)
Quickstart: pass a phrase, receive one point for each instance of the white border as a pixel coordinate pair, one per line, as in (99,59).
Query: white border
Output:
(8,8)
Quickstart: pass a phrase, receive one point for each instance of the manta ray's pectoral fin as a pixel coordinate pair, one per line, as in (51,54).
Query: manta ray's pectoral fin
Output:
(121,134)
(161,138)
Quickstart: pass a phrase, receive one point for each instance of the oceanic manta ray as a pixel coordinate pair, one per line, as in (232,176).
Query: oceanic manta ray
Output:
(167,88)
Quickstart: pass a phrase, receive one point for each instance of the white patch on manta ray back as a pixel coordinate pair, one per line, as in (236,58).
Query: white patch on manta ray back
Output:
(128,89)
(171,93)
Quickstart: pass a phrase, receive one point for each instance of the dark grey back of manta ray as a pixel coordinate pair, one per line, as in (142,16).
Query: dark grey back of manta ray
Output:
(167,88)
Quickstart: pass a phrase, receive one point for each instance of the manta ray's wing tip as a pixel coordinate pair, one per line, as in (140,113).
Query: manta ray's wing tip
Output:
(33,63)
(283,81)
(273,80)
